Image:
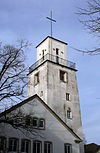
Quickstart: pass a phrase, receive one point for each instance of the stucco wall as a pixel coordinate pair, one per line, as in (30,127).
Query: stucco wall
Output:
(54,131)
(49,46)
(54,92)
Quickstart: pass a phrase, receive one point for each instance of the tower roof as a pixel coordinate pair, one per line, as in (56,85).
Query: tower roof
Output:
(53,39)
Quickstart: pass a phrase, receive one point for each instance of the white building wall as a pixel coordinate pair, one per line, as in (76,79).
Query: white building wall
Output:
(41,87)
(44,46)
(49,46)
(61,46)
(54,131)
(54,92)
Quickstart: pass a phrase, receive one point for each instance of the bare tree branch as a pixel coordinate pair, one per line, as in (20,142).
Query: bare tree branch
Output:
(13,72)
(90,18)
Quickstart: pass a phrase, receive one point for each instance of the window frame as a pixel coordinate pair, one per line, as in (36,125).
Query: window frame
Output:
(36,144)
(68,96)
(29,149)
(36,78)
(69,113)
(17,148)
(37,122)
(67,144)
(41,128)
(63,76)
(51,146)
(4,144)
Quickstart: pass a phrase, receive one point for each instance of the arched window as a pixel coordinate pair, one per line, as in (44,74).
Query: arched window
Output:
(69,113)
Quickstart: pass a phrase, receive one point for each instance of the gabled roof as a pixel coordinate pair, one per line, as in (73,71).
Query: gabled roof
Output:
(53,39)
(48,108)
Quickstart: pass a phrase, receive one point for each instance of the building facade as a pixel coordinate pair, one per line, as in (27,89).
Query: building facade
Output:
(54,116)
(36,128)
(53,78)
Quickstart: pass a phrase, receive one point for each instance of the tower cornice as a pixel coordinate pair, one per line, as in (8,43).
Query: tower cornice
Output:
(53,39)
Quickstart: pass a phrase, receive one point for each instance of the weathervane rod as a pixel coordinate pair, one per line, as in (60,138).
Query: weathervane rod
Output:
(50,18)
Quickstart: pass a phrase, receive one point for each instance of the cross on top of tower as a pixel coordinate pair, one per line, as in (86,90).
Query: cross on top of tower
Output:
(50,18)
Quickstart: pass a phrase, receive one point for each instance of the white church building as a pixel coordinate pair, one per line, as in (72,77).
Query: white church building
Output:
(49,120)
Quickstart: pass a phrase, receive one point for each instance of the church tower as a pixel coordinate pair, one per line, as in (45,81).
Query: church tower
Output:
(53,78)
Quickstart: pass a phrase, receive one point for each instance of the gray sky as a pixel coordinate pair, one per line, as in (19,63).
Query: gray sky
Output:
(26,19)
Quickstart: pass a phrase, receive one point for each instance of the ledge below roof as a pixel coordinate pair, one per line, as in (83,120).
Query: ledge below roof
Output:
(53,39)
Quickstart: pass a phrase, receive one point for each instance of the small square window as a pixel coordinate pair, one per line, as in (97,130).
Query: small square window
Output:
(41,123)
(35,122)
(67,96)
(36,78)
(63,76)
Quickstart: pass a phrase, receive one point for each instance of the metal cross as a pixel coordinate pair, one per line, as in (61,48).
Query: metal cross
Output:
(51,22)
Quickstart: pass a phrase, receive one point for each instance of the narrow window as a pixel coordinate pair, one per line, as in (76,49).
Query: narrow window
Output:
(63,76)
(2,144)
(57,51)
(37,147)
(25,146)
(43,54)
(69,113)
(36,78)
(68,148)
(41,123)
(13,144)
(35,122)
(48,147)
(67,96)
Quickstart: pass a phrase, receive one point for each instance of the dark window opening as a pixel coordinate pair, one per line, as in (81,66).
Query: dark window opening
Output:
(63,76)
(37,147)
(57,51)
(41,123)
(2,144)
(13,144)
(68,148)
(69,113)
(25,146)
(47,147)
(35,122)
(36,78)
(67,96)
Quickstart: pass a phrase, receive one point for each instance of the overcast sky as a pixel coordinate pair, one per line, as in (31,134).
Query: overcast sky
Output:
(26,19)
